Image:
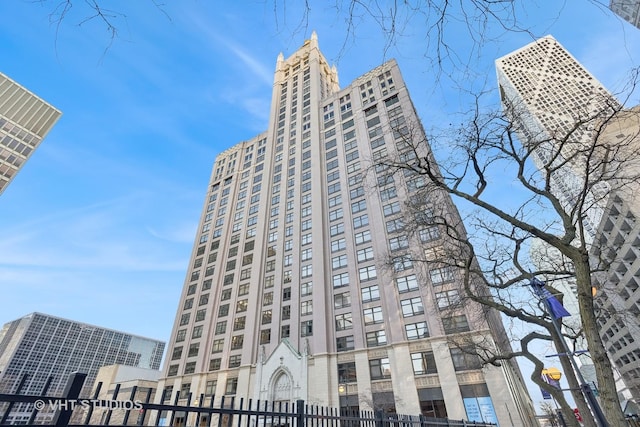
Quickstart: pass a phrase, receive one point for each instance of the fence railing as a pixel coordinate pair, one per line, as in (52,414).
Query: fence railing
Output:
(71,410)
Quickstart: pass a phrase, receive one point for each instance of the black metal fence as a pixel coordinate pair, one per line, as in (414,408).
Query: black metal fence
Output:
(71,410)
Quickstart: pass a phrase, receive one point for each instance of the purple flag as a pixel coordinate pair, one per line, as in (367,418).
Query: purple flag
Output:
(555,307)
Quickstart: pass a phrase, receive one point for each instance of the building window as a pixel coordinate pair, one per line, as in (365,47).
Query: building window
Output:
(370,293)
(238,323)
(361,221)
(367,273)
(234,361)
(402,262)
(424,363)
(335,214)
(376,338)
(285,331)
(306,289)
(306,328)
(336,229)
(395,225)
(217,346)
(184,319)
(372,315)
(363,237)
(411,307)
(407,283)
(338,245)
(177,353)
(242,305)
(173,370)
(344,321)
(181,335)
(455,324)
(232,386)
(190,368)
(345,343)
(306,308)
(340,280)
(197,332)
(358,206)
(342,300)
(365,254)
(236,342)
(306,271)
(347,372)
(210,388)
(286,294)
(188,304)
(201,314)
(400,242)
(441,275)
(339,261)
(416,330)
(221,327)
(214,364)
(286,312)
(193,349)
(429,234)
(266,317)
(464,359)
(380,368)
(447,299)
(265,336)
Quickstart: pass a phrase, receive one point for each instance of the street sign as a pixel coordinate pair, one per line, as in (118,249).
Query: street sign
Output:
(576,412)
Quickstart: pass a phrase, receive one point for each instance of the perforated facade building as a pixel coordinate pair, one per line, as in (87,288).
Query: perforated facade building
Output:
(25,120)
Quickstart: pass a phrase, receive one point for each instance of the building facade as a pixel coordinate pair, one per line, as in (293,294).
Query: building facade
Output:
(290,292)
(555,101)
(618,248)
(629,10)
(124,383)
(46,348)
(25,120)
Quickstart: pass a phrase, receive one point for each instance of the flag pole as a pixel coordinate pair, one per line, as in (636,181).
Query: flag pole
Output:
(584,386)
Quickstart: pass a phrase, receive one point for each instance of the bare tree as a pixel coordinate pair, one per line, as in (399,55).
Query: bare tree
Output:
(485,153)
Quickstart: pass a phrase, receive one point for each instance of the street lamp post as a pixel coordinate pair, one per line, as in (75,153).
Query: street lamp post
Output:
(554,374)
(584,386)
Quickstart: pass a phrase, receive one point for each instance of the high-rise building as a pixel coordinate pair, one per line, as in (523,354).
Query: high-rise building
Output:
(618,248)
(290,292)
(553,101)
(47,348)
(627,9)
(25,120)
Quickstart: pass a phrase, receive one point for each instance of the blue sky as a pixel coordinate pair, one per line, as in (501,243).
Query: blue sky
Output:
(98,226)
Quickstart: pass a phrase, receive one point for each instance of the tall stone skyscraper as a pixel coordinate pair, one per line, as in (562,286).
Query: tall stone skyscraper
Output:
(290,293)
(25,120)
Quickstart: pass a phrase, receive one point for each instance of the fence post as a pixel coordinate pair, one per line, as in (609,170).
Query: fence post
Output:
(71,393)
(299,413)
(379,418)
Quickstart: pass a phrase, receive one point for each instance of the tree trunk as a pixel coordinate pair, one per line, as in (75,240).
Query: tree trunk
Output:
(604,372)
(574,386)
